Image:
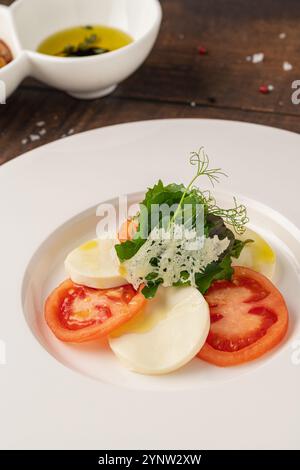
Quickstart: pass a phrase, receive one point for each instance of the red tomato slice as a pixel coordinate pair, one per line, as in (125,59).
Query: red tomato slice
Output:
(248,318)
(77,313)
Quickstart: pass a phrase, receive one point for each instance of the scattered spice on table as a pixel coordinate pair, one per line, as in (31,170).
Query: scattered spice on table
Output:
(202,50)
(266,89)
(34,137)
(39,132)
(256,58)
(287,66)
(212,99)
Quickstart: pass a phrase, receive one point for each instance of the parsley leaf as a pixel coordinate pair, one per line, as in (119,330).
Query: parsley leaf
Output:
(129,248)
(214,272)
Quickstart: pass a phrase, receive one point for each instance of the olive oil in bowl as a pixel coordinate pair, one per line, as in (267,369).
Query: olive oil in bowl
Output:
(83,41)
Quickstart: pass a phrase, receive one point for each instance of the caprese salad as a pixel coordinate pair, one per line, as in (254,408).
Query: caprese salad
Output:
(162,291)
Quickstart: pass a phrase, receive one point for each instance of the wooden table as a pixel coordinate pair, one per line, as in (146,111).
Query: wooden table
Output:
(176,81)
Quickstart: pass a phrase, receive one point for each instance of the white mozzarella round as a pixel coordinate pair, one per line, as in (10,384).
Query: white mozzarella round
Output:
(95,264)
(166,335)
(258,255)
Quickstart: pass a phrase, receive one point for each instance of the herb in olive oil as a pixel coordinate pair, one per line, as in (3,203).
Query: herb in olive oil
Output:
(84,41)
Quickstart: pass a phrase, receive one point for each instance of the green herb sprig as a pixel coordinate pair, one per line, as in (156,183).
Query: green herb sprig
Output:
(236,216)
(202,161)
(216,222)
(86,48)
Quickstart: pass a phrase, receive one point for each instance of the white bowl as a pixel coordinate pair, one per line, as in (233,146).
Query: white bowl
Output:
(26,23)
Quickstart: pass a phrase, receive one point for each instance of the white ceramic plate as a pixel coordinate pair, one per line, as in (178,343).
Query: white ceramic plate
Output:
(59,396)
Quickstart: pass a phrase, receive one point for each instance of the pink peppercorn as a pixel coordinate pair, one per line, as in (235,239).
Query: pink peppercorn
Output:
(264,89)
(202,50)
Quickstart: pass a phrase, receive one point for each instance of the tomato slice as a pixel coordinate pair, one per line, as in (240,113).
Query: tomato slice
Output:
(78,313)
(248,318)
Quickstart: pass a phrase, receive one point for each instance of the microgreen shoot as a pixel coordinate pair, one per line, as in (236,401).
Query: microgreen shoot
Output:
(235,216)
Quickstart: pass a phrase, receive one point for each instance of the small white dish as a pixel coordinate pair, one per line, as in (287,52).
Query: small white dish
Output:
(45,404)
(12,74)
(26,23)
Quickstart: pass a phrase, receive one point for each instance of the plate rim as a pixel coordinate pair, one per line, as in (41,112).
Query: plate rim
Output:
(60,372)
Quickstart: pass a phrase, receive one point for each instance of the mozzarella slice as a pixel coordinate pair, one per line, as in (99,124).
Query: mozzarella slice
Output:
(95,264)
(257,255)
(169,332)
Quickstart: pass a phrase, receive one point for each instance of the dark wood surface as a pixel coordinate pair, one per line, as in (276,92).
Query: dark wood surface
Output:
(176,81)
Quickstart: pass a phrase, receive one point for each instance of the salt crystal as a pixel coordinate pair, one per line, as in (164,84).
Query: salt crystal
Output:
(43,132)
(282,35)
(24,141)
(40,123)
(287,66)
(193,104)
(71,131)
(34,137)
(249,58)
(258,57)
(270,87)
